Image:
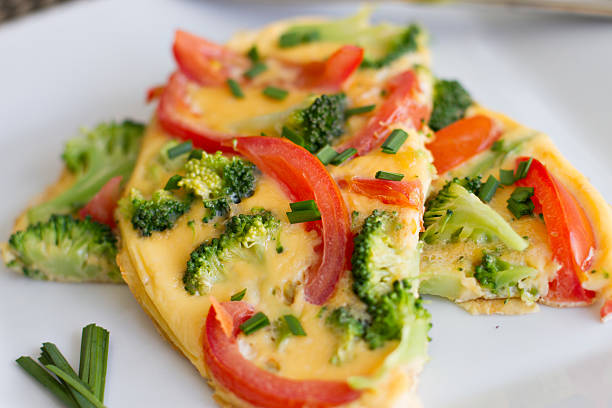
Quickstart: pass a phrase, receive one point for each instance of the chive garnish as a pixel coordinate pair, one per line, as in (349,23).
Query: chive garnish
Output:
(275,93)
(255,70)
(523,169)
(520,203)
(386,175)
(358,110)
(47,380)
(303,205)
(291,39)
(521,194)
(488,189)
(506,177)
(395,140)
(172,183)
(291,135)
(344,156)
(258,321)
(94,356)
(234,87)
(296,217)
(180,149)
(294,325)
(77,385)
(238,295)
(253,54)
(326,154)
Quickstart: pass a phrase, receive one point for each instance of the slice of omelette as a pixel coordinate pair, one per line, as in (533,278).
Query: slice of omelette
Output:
(284,281)
(510,222)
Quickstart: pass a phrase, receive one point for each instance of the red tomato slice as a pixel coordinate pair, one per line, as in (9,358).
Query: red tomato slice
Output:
(330,74)
(606,311)
(462,140)
(176,117)
(154,93)
(402,193)
(205,62)
(101,207)
(570,234)
(304,178)
(400,106)
(255,385)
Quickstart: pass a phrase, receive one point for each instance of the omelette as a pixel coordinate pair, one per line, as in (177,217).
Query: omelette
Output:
(284,263)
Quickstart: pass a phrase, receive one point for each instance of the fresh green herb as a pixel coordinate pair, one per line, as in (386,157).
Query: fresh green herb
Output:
(294,325)
(358,110)
(238,295)
(94,355)
(255,70)
(48,381)
(77,385)
(291,135)
(506,177)
(344,156)
(179,149)
(606,275)
(488,189)
(258,321)
(291,39)
(520,202)
(326,154)
(253,54)
(234,87)
(296,217)
(384,175)
(172,183)
(303,205)
(395,140)
(523,169)
(275,93)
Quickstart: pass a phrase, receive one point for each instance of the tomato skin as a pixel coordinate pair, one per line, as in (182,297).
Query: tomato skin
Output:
(329,75)
(570,235)
(154,93)
(462,140)
(176,118)
(401,193)
(101,207)
(400,106)
(205,62)
(255,385)
(303,177)
(606,310)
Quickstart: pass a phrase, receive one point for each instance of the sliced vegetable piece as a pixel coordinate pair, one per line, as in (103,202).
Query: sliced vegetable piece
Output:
(606,311)
(400,107)
(462,140)
(304,177)
(257,386)
(329,75)
(101,207)
(570,234)
(402,193)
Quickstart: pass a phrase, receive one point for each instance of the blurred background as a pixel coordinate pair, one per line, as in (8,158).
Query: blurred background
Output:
(10,9)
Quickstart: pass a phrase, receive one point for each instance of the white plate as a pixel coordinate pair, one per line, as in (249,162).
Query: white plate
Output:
(83,62)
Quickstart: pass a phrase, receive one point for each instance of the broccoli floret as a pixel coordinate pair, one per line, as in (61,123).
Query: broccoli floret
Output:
(376,262)
(349,329)
(455,214)
(219,180)
(390,312)
(65,248)
(383,43)
(500,277)
(157,214)
(246,237)
(450,101)
(107,151)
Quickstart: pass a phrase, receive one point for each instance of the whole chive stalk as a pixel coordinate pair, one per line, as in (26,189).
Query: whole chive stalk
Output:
(94,356)
(48,381)
(77,386)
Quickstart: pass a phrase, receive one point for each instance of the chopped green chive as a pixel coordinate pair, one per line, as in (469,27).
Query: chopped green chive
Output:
(488,189)
(253,54)
(255,70)
(180,149)
(238,296)
(291,135)
(172,183)
(326,154)
(523,169)
(294,325)
(385,175)
(291,39)
(506,177)
(359,110)
(344,156)
(258,321)
(47,380)
(234,87)
(195,154)
(303,205)
(275,93)
(296,217)
(395,140)
(520,203)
